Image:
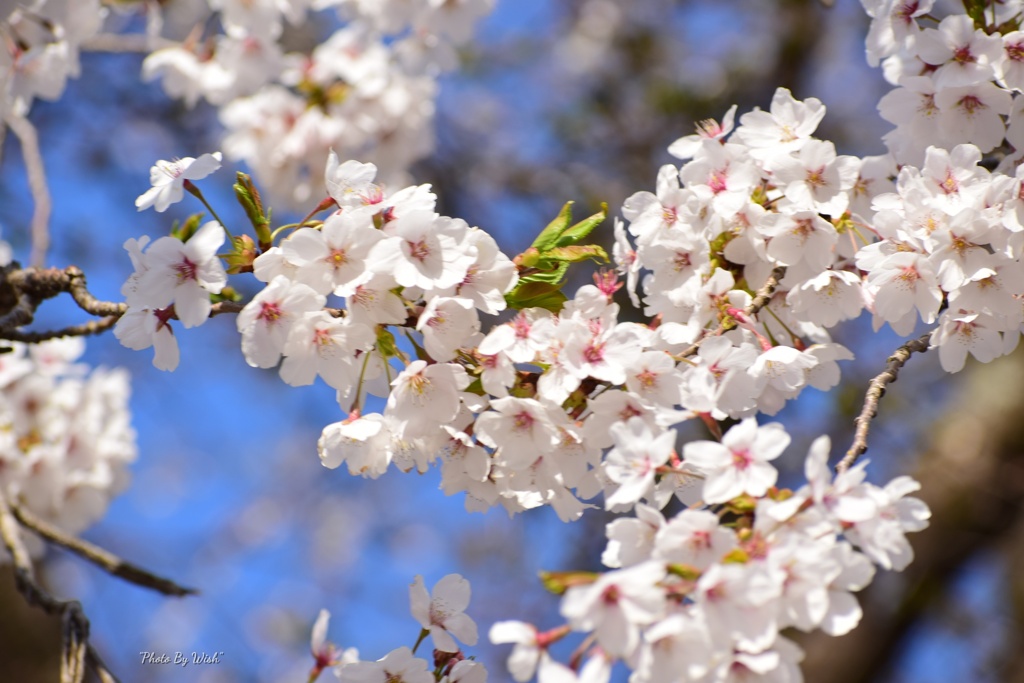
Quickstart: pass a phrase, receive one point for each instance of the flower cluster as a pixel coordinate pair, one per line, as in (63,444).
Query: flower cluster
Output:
(172,278)
(367,89)
(441,615)
(703,597)
(40,49)
(65,433)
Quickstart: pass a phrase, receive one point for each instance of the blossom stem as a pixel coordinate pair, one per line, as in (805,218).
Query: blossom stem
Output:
(423,634)
(198,194)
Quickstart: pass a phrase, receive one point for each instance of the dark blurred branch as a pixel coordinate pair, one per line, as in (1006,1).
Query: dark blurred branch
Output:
(76,651)
(107,561)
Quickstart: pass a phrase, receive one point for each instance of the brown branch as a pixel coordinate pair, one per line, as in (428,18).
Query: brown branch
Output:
(104,559)
(82,330)
(874,394)
(76,649)
(760,300)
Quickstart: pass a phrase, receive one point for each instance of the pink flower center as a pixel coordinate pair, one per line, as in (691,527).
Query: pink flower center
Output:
(270,312)
(186,270)
(338,258)
(742,459)
(611,595)
(594,353)
(419,250)
(970,104)
(962,55)
(523,421)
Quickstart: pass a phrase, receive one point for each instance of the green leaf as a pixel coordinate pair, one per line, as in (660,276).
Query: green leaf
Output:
(548,237)
(577,253)
(582,229)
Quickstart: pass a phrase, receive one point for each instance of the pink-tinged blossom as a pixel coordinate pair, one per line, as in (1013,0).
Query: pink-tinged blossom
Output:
(443,612)
(676,648)
(740,603)
(349,183)
(815,178)
(631,539)
(362,443)
(708,129)
(320,344)
(973,113)
(184,274)
(722,174)
(333,259)
(740,463)
(902,284)
(489,277)
(633,461)
(785,129)
(892,23)
(266,321)
(617,605)
(373,302)
(883,537)
(466,671)
(523,337)
(168,180)
(695,538)
(1010,69)
(425,396)
(603,354)
(448,324)
(802,237)
(961,332)
(141,328)
(917,117)
(671,207)
(423,250)
(965,55)
(521,427)
(827,298)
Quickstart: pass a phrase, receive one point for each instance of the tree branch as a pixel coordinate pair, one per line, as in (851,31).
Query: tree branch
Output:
(76,649)
(26,134)
(760,300)
(874,394)
(82,330)
(104,559)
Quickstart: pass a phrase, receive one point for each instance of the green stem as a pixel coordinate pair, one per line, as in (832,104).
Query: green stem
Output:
(423,634)
(198,194)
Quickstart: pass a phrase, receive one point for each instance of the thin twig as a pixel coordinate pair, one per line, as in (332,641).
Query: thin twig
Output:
(760,300)
(104,559)
(26,134)
(874,393)
(82,330)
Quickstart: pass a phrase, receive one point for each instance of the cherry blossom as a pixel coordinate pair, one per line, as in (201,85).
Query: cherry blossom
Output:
(442,612)
(168,179)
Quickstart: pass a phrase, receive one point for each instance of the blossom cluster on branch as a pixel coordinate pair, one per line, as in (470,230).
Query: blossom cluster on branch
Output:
(743,260)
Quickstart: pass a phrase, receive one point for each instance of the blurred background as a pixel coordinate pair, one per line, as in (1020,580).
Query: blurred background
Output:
(556,101)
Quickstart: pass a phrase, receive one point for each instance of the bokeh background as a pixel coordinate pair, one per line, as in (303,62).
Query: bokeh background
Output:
(556,100)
